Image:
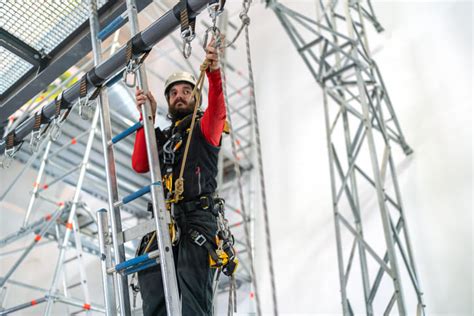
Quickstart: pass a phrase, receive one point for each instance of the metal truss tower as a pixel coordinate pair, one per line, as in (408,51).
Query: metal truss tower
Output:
(361,127)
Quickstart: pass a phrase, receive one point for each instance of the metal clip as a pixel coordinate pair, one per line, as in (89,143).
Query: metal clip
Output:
(9,155)
(85,108)
(186,49)
(130,72)
(214,10)
(216,33)
(188,35)
(35,140)
(55,130)
(7,159)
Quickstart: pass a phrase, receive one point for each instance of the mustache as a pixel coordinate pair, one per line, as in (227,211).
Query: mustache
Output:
(180,100)
(186,102)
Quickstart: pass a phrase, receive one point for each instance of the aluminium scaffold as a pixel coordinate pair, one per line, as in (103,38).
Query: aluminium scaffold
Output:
(243,141)
(44,226)
(335,48)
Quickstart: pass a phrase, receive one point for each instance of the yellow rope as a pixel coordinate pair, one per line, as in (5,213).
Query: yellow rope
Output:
(179,183)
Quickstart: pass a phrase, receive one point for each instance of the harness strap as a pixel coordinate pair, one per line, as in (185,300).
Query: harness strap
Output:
(10,143)
(201,241)
(223,259)
(83,89)
(37,124)
(188,25)
(205,202)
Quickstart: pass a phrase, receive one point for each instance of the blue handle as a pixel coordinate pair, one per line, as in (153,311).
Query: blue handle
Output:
(126,132)
(136,195)
(143,266)
(132,262)
(112,27)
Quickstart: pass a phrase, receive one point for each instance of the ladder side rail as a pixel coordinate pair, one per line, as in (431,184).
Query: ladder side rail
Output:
(162,216)
(110,172)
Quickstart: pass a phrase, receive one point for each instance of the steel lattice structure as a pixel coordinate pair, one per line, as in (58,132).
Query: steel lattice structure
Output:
(361,127)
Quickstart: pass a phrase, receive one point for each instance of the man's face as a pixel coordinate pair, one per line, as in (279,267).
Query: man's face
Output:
(179,100)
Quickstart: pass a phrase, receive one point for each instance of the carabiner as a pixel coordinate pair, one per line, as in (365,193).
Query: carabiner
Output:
(85,109)
(186,49)
(35,140)
(130,71)
(7,159)
(188,34)
(55,130)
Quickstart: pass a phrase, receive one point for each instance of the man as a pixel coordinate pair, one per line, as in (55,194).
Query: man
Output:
(193,212)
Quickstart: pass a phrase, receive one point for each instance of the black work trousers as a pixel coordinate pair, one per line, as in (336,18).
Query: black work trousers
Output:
(193,272)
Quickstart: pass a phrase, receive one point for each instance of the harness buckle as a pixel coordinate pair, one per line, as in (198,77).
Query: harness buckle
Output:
(198,238)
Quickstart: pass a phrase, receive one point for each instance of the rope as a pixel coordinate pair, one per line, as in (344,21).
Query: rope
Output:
(245,23)
(241,194)
(179,183)
(260,169)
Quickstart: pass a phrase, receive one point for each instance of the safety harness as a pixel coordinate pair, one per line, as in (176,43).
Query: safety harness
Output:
(222,255)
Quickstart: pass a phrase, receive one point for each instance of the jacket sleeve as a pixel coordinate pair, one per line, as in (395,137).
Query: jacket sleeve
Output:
(139,156)
(213,120)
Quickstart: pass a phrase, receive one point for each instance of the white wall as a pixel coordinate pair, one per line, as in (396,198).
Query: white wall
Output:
(425,56)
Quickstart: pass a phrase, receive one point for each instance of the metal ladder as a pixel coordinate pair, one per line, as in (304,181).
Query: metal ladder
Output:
(117,265)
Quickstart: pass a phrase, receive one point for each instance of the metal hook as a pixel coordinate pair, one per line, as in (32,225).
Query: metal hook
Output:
(9,155)
(55,130)
(85,108)
(188,34)
(214,10)
(216,32)
(130,72)
(35,141)
(187,49)
(6,161)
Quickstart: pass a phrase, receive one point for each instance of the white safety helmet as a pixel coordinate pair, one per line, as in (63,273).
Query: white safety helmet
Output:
(176,77)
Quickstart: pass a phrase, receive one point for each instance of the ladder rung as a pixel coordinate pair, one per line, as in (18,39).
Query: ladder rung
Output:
(112,26)
(126,132)
(136,231)
(74,285)
(143,266)
(137,260)
(70,259)
(136,195)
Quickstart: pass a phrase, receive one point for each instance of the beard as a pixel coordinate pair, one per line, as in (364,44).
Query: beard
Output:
(179,113)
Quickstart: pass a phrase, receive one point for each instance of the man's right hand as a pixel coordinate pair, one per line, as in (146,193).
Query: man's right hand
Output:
(141,98)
